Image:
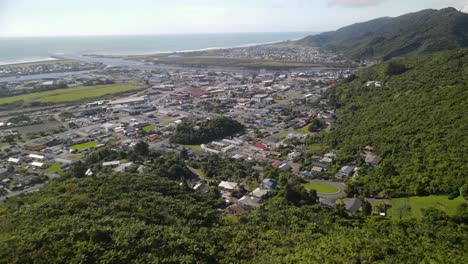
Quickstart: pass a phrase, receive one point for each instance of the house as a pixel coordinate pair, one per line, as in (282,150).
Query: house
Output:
(201,187)
(228,186)
(122,167)
(235,208)
(326,203)
(284,166)
(294,155)
(326,160)
(317,169)
(111,163)
(352,205)
(345,171)
(276,164)
(373,160)
(269,184)
(249,201)
(321,165)
(260,146)
(260,193)
(259,98)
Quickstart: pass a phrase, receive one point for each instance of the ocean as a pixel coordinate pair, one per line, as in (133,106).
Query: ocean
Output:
(28,49)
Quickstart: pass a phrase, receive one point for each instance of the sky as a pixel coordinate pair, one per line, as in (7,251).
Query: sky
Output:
(138,17)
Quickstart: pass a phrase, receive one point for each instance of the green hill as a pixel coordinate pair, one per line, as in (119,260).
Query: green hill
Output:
(416,120)
(384,38)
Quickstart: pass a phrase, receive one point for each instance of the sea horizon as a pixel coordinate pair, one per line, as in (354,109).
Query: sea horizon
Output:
(15,50)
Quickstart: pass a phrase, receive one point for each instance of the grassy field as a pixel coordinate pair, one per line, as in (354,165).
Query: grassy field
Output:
(282,135)
(317,148)
(68,95)
(194,147)
(413,206)
(321,188)
(54,167)
(149,128)
(305,129)
(84,146)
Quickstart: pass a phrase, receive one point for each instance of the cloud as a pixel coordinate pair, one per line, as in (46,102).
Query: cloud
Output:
(354,3)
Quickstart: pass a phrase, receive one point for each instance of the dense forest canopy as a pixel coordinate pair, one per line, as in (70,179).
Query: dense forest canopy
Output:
(216,128)
(414,117)
(152,218)
(422,32)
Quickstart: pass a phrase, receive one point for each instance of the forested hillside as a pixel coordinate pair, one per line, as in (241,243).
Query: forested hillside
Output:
(136,218)
(384,38)
(415,117)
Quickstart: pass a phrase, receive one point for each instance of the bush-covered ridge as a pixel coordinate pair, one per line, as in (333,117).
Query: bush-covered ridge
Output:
(415,119)
(384,38)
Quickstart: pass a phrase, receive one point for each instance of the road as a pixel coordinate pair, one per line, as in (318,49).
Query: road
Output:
(16,193)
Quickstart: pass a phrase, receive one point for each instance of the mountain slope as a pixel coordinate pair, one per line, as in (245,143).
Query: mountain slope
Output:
(422,32)
(416,121)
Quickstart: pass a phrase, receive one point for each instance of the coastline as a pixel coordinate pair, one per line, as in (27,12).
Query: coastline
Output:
(24,61)
(188,50)
(52,57)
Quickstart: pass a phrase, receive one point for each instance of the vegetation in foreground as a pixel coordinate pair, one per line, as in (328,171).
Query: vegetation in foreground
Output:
(152,218)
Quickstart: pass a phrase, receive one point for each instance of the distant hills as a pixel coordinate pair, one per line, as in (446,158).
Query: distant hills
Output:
(384,38)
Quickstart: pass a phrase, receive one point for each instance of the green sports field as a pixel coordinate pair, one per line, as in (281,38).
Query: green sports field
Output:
(321,188)
(84,146)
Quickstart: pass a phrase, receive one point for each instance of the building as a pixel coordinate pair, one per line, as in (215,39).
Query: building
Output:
(128,101)
(260,98)
(228,186)
(249,201)
(345,171)
(269,184)
(260,193)
(352,205)
(372,160)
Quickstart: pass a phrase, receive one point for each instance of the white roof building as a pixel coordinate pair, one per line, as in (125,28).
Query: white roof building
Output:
(37,164)
(14,160)
(228,185)
(37,157)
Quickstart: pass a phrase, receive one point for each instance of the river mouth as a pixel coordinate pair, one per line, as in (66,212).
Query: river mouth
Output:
(123,63)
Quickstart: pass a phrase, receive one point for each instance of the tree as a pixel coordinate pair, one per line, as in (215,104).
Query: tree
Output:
(464,191)
(395,68)
(366,208)
(141,148)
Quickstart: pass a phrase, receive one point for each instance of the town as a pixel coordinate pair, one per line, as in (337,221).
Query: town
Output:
(280,110)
